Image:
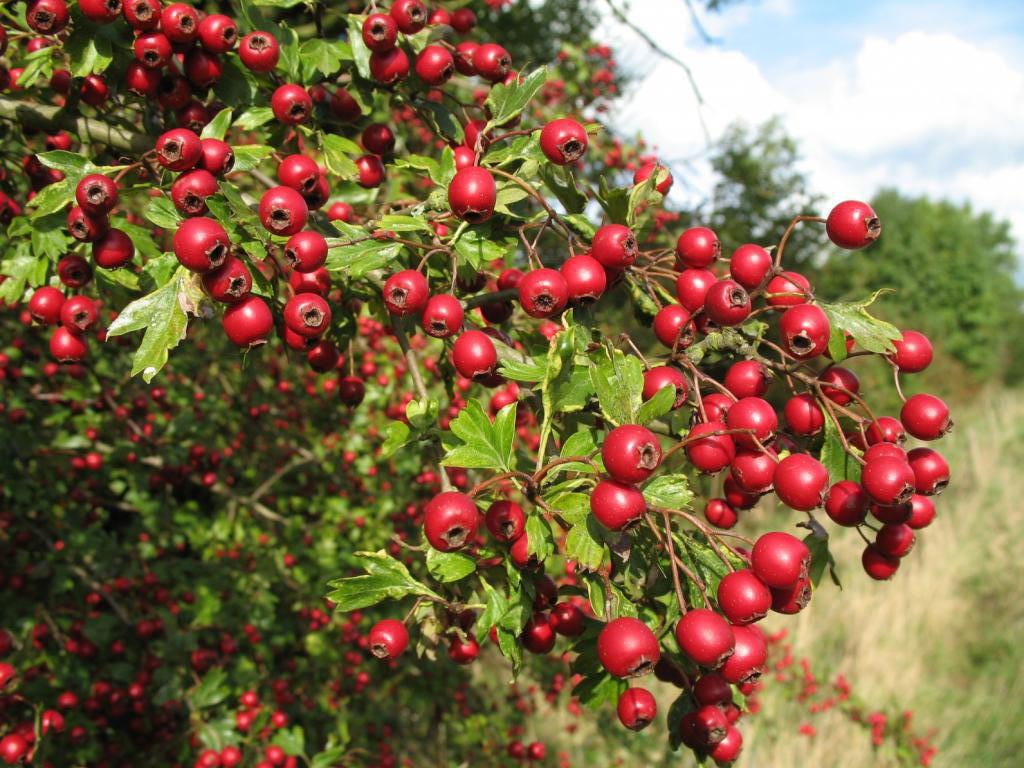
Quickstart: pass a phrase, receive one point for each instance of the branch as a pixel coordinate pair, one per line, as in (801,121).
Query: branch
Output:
(52,119)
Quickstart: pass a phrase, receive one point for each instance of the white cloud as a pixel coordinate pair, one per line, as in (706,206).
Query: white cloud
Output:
(927,112)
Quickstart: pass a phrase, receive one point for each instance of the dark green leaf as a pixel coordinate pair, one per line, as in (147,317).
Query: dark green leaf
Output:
(218,127)
(585,545)
(618,380)
(212,690)
(657,406)
(385,579)
(840,464)
(449,566)
(597,690)
(869,332)
(506,102)
(249,156)
(481,443)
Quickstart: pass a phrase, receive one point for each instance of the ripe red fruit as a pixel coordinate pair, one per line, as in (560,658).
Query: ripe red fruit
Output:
(201,244)
(153,50)
(792,600)
(756,415)
(913,352)
(463,20)
(371,171)
(142,14)
(711,689)
(922,512)
(886,430)
(709,725)
(877,564)
(661,376)
(259,51)
(788,290)
(637,708)
(378,139)
(727,303)
(380,32)
(474,355)
(13,748)
(931,472)
(410,15)
(698,248)
(839,384)
(323,357)
(388,639)
(895,540)
(805,331)
(748,657)
(306,251)
(74,271)
(45,305)
(647,170)
(113,250)
(543,292)
(847,503)
(442,316)
(631,453)
(344,107)
(728,749)
(492,62)
(853,225)
(505,520)
(190,190)
(179,149)
(692,287)
(180,22)
(779,559)
(538,635)
(217,157)
(47,17)
(472,194)
(78,314)
(888,481)
(406,292)
(743,597)
(750,265)
(307,314)
(627,647)
(435,65)
(673,327)
(720,514)
(747,378)
(229,283)
(616,505)
(614,245)
(100,11)
(926,417)
(291,104)
(351,390)
(708,452)
(753,471)
(283,211)
(800,482)
(705,637)
(96,194)
(585,278)
(803,414)
(218,33)
(249,322)
(563,141)
(388,67)
(450,521)
(66,347)
(567,620)
(142,81)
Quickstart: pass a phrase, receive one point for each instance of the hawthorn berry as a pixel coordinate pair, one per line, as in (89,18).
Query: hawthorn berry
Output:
(708,449)
(614,245)
(450,521)
(743,597)
(406,292)
(926,417)
(616,505)
(291,104)
(852,225)
(283,211)
(585,278)
(805,331)
(113,250)
(435,65)
(543,292)
(563,141)
(698,248)
(442,316)
(647,170)
(692,287)
(307,314)
(788,289)
(378,139)
(847,503)
(180,22)
(720,514)
(472,194)
(895,540)
(705,637)
(388,639)
(626,647)
(351,390)
(492,62)
(45,305)
(753,420)
(750,265)
(410,15)
(218,33)
(96,194)
(877,564)
(201,244)
(390,66)
(249,322)
(190,190)
(631,453)
(750,651)
(380,32)
(67,347)
(661,376)
(230,282)
(913,352)
(673,327)
(727,303)
(931,472)
(636,708)
(78,314)
(179,149)
(780,559)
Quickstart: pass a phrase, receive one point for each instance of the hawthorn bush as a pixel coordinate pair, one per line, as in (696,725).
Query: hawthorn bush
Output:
(340,355)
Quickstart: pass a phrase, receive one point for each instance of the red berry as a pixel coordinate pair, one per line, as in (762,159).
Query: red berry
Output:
(307,314)
(142,14)
(779,559)
(113,250)
(67,347)
(474,355)
(743,597)
(708,452)
(74,271)
(442,316)
(450,521)
(291,104)
(747,378)
(895,540)
(847,503)
(661,376)
(96,194)
(283,211)
(538,635)
(754,470)
(380,32)
(748,657)
(78,314)
(637,708)
(543,292)
(877,564)
(388,639)
(47,17)
(435,65)
(627,647)
(692,287)
(389,67)
(720,514)
(180,22)
(711,689)
(45,305)
(792,600)
(647,170)
(190,190)
(931,472)
(698,248)
(888,481)
(728,749)
(853,225)
(410,15)
(505,520)
(805,331)
(351,390)
(727,303)
(750,265)
(926,417)
(492,62)
(378,139)
(563,141)
(913,352)
(631,453)
(614,245)
(757,416)
(229,283)
(306,251)
(616,505)
(217,157)
(259,51)
(922,512)
(201,244)
(673,327)
(218,33)
(406,292)
(472,194)
(178,149)
(249,322)
(344,107)
(567,620)
(800,482)
(788,290)
(705,637)
(839,384)
(585,278)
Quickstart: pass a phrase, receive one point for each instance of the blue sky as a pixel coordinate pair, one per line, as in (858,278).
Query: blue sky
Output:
(924,96)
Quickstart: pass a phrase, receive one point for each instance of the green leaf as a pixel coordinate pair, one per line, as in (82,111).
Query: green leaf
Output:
(869,332)
(837,344)
(506,102)
(482,444)
(840,464)
(385,579)
(218,127)
(573,508)
(614,201)
(581,225)
(561,184)
(584,544)
(68,163)
(88,52)
(291,740)
(360,53)
(441,120)
(249,156)
(669,492)
(618,380)
(475,247)
(52,198)
(532,370)
(356,259)
(597,690)
(397,437)
(321,55)
(329,757)
(254,117)
(21,270)
(508,644)
(539,539)
(821,557)
(161,212)
(211,691)
(643,193)
(422,413)
(657,406)
(495,608)
(237,86)
(338,162)
(395,223)
(449,566)
(277,3)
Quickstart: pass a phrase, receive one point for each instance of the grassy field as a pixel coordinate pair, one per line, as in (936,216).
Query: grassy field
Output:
(943,638)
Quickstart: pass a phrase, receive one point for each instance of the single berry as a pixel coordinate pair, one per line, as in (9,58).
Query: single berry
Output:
(450,521)
(853,225)
(627,647)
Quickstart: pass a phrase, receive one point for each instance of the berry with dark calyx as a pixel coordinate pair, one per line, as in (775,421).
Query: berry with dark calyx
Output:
(631,453)
(378,139)
(805,331)
(249,322)
(705,637)
(661,376)
(755,415)
(388,639)
(791,600)
(450,521)
(895,514)
(142,81)
(259,51)
(113,250)
(78,314)
(879,450)
(614,245)
(847,503)
(47,17)
(180,22)
(142,14)
(283,211)
(707,451)
(926,417)
(229,283)
(307,314)
(217,157)
(380,32)
(636,708)
(474,355)
(886,429)
(743,597)
(74,271)
(895,540)
(351,390)
(673,327)
(877,564)
(888,481)
(291,104)
(442,316)
(710,725)
(389,67)
(779,559)
(567,620)
(563,141)
(692,287)
(543,292)
(492,62)
(218,33)
(538,635)
(720,514)
(627,647)
(153,50)
(45,305)
(472,194)
(463,651)
(410,15)
(435,65)
(727,303)
(406,292)
(728,749)
(96,194)
(505,520)
(931,472)
(736,497)
(698,248)
(179,149)
(190,190)
(617,505)
(306,251)
(67,347)
(852,225)
(749,265)
(201,244)
(585,278)
(800,482)
(913,353)
(788,289)
(750,651)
